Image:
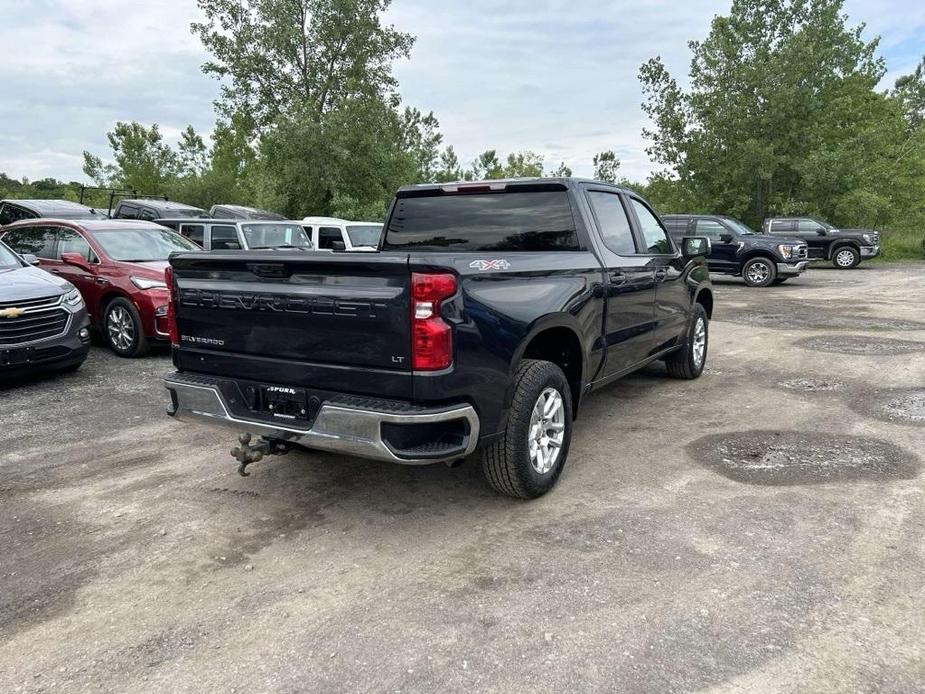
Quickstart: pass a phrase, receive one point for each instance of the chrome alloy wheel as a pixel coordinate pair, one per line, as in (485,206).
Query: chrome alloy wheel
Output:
(547,430)
(699,346)
(844,258)
(758,273)
(121,328)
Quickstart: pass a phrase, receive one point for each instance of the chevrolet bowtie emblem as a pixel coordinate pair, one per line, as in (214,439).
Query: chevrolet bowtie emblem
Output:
(11,312)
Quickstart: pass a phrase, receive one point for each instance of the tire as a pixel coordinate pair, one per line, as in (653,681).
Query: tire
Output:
(846,257)
(779,281)
(122,329)
(687,363)
(508,463)
(759,272)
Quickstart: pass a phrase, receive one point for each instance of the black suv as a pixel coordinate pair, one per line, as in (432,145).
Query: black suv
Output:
(736,249)
(16,210)
(152,210)
(226,211)
(844,247)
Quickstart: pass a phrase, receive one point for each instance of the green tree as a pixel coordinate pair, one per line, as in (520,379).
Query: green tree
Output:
(142,160)
(782,114)
(485,167)
(420,140)
(562,171)
(524,164)
(279,58)
(910,92)
(448,168)
(606,165)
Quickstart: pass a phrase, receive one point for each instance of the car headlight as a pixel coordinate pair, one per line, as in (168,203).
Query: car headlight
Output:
(870,239)
(787,252)
(145,283)
(73,298)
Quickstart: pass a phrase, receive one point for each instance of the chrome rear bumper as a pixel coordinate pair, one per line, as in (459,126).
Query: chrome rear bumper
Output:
(337,427)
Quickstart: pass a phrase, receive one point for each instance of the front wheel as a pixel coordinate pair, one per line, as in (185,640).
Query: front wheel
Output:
(529,457)
(122,329)
(688,362)
(759,272)
(846,258)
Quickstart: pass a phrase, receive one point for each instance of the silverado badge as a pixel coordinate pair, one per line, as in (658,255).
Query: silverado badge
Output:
(12,312)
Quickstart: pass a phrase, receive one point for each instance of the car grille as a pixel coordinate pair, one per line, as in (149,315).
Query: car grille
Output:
(42,318)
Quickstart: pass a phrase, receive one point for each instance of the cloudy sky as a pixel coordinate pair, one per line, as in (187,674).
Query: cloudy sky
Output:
(554,76)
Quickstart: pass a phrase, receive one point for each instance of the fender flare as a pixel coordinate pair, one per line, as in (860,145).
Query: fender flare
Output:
(841,243)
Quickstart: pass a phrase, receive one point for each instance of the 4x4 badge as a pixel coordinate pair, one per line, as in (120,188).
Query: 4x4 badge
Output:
(483,265)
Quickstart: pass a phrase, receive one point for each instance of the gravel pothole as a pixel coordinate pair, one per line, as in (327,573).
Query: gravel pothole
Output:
(794,457)
(812,385)
(814,318)
(898,406)
(859,344)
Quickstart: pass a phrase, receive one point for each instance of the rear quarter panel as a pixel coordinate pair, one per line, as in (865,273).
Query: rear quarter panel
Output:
(504,300)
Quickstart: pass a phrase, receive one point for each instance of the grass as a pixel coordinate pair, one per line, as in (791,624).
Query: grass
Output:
(902,244)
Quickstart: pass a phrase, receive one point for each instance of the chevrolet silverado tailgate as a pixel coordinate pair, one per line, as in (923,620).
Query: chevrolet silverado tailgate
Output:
(330,320)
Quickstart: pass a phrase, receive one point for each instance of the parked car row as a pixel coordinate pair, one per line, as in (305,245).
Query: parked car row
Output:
(783,250)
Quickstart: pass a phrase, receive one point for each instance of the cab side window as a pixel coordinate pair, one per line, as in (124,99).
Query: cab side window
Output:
(147,215)
(612,221)
(782,226)
(69,241)
(809,226)
(327,236)
(711,229)
(39,241)
(225,238)
(653,233)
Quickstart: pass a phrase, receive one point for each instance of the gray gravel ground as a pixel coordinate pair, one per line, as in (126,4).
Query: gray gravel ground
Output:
(761,529)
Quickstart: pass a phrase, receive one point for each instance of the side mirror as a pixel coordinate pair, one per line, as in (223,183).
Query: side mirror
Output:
(338,246)
(30,258)
(820,231)
(695,246)
(726,238)
(76,260)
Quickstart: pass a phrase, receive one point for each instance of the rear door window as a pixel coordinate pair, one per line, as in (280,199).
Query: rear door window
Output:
(782,226)
(194,232)
(536,221)
(612,221)
(127,212)
(39,241)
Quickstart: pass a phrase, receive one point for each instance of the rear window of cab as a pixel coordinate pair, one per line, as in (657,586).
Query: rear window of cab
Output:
(511,221)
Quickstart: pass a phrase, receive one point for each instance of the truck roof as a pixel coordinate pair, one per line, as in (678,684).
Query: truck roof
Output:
(502,183)
(62,209)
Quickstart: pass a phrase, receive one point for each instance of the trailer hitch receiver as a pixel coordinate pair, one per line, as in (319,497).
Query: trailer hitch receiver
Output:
(246,453)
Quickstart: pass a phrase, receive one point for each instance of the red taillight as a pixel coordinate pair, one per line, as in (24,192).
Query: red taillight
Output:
(171,307)
(432,338)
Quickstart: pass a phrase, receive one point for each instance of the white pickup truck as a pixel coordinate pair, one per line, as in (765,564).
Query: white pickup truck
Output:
(333,234)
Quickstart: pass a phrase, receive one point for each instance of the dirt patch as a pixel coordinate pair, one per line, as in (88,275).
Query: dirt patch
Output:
(794,457)
(812,385)
(860,344)
(804,317)
(898,406)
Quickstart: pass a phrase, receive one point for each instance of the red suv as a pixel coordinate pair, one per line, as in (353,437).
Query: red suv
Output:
(118,266)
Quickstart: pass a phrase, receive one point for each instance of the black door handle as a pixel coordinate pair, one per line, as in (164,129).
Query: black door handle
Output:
(661,273)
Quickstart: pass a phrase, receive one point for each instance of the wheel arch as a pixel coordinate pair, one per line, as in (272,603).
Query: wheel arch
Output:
(555,338)
(836,246)
(705,298)
(104,301)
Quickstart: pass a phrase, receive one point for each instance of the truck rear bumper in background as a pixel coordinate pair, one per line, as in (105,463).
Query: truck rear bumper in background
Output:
(364,427)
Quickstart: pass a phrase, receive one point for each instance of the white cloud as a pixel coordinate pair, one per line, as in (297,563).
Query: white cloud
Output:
(555,76)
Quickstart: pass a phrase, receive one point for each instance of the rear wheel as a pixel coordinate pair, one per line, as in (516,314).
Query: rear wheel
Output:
(122,329)
(688,362)
(529,457)
(759,272)
(846,258)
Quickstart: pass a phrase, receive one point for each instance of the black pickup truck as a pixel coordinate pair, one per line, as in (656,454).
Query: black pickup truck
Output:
(489,311)
(736,249)
(846,248)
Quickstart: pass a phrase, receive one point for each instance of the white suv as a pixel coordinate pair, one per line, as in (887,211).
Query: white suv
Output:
(332,234)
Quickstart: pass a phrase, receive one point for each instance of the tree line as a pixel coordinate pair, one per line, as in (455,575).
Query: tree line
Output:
(784,113)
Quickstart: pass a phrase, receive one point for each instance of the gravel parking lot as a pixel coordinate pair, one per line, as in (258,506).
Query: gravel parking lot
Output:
(761,529)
